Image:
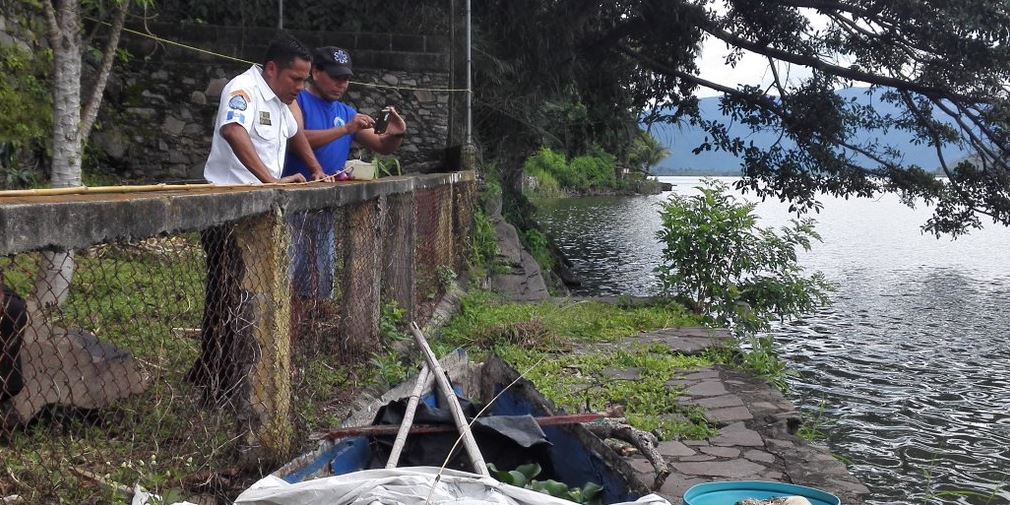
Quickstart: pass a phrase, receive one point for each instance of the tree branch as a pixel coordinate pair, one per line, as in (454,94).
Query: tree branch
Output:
(763,102)
(966,199)
(108,57)
(828,68)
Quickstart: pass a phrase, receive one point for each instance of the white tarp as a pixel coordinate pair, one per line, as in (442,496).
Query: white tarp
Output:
(402,486)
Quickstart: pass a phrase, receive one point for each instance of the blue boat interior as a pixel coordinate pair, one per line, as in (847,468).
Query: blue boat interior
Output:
(574,464)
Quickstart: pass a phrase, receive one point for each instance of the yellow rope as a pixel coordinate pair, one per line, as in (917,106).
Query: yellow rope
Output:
(240,60)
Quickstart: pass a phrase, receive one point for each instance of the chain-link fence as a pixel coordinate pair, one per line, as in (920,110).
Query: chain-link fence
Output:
(187,341)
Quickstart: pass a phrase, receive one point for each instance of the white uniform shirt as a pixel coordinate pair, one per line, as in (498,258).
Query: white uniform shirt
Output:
(249,101)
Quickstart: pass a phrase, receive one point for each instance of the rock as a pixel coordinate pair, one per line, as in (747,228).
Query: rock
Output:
(142,112)
(111,142)
(198,98)
(214,88)
(172,126)
(390,79)
(153,98)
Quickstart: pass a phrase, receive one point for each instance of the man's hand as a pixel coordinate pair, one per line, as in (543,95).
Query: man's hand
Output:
(396,126)
(292,178)
(318,174)
(359,122)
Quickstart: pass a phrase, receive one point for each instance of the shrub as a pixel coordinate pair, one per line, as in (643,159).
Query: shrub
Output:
(717,258)
(596,169)
(537,244)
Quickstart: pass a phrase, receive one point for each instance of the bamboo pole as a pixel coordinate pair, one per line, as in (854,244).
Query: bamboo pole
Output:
(457,412)
(148,188)
(408,418)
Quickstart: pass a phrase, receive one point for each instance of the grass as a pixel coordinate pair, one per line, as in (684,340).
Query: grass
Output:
(141,298)
(145,298)
(547,333)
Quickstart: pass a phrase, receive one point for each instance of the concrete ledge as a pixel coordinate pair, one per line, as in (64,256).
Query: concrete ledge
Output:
(29,223)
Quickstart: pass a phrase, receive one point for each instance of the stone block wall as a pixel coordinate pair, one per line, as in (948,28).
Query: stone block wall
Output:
(157,118)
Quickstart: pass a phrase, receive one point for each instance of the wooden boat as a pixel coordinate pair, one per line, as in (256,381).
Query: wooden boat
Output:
(575,455)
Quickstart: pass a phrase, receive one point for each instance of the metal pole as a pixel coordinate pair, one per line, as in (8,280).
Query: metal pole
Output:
(280,14)
(469,82)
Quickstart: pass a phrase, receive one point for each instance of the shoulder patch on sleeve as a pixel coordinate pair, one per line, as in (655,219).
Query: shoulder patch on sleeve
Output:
(238,100)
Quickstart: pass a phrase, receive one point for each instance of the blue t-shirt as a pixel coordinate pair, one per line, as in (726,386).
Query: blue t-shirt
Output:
(319,114)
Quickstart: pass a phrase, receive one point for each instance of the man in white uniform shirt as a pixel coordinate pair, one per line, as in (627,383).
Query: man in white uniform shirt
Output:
(251,134)
(254,123)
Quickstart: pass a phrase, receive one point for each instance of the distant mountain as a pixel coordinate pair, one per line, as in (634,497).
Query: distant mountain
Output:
(682,139)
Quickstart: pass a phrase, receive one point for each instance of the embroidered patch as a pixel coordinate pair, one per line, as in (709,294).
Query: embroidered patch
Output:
(235,115)
(265,118)
(239,100)
(340,56)
(338,121)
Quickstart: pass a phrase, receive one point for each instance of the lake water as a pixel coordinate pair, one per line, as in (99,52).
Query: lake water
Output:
(908,369)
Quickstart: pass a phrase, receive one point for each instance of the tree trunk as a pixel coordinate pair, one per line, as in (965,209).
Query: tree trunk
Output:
(70,128)
(56,269)
(65,38)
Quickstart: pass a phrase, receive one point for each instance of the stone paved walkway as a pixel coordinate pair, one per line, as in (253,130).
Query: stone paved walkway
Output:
(757,430)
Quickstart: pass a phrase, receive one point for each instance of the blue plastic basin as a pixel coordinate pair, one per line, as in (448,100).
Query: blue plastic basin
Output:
(730,492)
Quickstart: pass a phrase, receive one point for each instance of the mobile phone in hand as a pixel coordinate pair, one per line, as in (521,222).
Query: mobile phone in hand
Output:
(381,120)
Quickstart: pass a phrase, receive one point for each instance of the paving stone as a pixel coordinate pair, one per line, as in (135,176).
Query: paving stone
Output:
(707,388)
(759,456)
(776,444)
(771,475)
(675,487)
(715,402)
(742,438)
(673,448)
(704,374)
(696,443)
(641,465)
(677,384)
(722,452)
(731,469)
(764,407)
(739,426)
(700,457)
(630,374)
(729,414)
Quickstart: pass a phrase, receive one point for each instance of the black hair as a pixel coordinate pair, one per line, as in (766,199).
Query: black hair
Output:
(284,49)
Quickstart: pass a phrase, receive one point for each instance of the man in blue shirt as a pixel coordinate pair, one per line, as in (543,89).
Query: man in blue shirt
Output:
(330,127)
